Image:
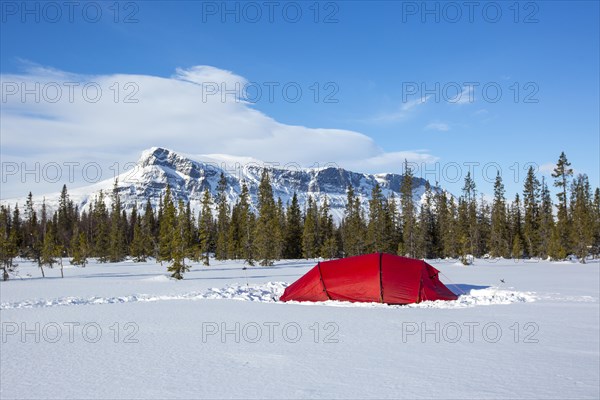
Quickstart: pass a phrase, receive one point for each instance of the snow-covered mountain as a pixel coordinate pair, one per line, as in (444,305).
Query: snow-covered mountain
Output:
(188,178)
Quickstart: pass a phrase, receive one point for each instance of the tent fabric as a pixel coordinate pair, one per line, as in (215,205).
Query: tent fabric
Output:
(377,277)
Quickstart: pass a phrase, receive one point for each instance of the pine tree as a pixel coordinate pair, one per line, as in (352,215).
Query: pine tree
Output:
(499,245)
(408,216)
(582,233)
(206,227)
(221,251)
(562,173)
(531,223)
(294,230)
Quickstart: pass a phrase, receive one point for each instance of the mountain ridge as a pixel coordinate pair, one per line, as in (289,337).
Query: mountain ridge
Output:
(188,178)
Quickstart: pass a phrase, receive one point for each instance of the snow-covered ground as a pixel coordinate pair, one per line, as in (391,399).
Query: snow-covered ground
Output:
(128,331)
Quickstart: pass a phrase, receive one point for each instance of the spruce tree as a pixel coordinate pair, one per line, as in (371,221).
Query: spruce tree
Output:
(221,250)
(149,231)
(66,214)
(531,222)
(467,210)
(484,226)
(377,236)
(393,221)
(79,248)
(310,235)
(117,239)
(138,246)
(499,244)
(426,226)
(266,224)
(179,243)
(353,226)
(245,227)
(516,228)
(562,174)
(294,230)
(101,229)
(596,223)
(464,229)
(166,227)
(31,235)
(408,217)
(279,229)
(205,227)
(8,244)
(546,220)
(555,249)
(582,231)
(328,242)
(49,248)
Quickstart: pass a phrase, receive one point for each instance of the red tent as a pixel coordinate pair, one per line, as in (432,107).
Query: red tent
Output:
(378,277)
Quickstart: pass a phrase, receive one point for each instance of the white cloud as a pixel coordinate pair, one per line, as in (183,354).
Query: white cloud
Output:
(438,126)
(176,112)
(547,168)
(466,96)
(403,112)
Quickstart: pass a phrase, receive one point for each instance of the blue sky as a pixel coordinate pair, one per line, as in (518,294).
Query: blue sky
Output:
(367,57)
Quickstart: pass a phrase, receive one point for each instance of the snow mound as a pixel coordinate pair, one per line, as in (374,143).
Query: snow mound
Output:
(475,298)
(268,292)
(480,297)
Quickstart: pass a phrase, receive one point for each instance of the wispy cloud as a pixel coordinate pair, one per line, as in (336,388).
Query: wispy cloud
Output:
(466,96)
(438,126)
(403,112)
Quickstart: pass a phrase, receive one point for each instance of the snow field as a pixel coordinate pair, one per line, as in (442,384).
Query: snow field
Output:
(127,331)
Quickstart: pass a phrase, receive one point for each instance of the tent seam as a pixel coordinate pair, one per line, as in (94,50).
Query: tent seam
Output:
(322,281)
(380,277)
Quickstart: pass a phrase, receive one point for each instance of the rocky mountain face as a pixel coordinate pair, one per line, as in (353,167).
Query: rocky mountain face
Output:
(188,178)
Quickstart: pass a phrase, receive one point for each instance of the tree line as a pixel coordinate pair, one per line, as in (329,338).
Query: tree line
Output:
(440,226)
